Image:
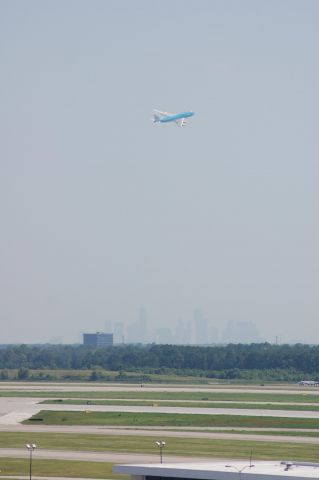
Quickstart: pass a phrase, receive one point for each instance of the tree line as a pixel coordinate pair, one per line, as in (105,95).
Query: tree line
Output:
(230,359)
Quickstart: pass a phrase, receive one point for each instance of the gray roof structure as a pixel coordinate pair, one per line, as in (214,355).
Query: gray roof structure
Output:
(224,470)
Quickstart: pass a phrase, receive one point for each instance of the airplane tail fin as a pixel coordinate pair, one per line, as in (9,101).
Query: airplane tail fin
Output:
(156,118)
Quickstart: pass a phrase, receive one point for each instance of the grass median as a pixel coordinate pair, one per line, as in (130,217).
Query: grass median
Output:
(144,394)
(48,417)
(59,468)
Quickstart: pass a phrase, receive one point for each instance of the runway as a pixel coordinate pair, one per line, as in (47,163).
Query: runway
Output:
(15,410)
(115,387)
(184,410)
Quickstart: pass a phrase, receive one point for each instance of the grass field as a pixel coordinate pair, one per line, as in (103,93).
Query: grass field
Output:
(203,404)
(193,447)
(58,468)
(47,417)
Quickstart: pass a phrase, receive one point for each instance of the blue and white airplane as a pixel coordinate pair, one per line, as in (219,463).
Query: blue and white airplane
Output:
(165,117)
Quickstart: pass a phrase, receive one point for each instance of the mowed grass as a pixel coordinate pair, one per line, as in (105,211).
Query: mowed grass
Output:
(58,468)
(192,447)
(144,394)
(48,417)
(203,404)
(127,443)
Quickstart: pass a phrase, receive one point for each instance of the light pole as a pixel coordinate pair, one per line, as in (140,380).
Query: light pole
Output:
(160,445)
(239,470)
(31,447)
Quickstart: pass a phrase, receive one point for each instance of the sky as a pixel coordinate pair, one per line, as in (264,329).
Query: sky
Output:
(103,212)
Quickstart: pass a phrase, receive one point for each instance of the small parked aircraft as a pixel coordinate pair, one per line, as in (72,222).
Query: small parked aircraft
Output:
(165,117)
(308,383)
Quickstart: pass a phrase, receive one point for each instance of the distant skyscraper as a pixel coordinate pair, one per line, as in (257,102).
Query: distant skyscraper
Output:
(137,332)
(134,333)
(188,333)
(183,332)
(180,332)
(201,327)
(241,332)
(119,332)
(142,326)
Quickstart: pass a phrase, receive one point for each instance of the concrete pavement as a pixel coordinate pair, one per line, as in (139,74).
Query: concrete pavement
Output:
(112,457)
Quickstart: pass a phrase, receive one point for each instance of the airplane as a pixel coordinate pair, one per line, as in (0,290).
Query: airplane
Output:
(165,117)
(308,383)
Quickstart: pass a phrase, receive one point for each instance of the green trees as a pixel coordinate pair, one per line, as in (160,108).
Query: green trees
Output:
(23,373)
(229,361)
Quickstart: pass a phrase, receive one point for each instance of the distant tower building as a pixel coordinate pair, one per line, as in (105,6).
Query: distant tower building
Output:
(108,325)
(137,331)
(142,326)
(201,330)
(180,332)
(188,333)
(118,332)
(98,339)
(241,332)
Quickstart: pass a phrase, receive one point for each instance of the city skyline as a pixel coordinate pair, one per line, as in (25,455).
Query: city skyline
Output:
(197,330)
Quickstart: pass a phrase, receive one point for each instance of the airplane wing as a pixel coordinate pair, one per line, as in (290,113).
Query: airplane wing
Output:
(164,114)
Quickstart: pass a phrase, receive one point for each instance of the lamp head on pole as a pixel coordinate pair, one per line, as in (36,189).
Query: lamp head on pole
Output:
(30,446)
(160,444)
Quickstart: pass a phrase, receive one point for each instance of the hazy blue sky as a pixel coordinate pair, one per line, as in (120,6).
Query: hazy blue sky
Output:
(103,212)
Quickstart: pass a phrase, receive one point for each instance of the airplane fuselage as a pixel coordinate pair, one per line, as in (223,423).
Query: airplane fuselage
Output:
(177,116)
